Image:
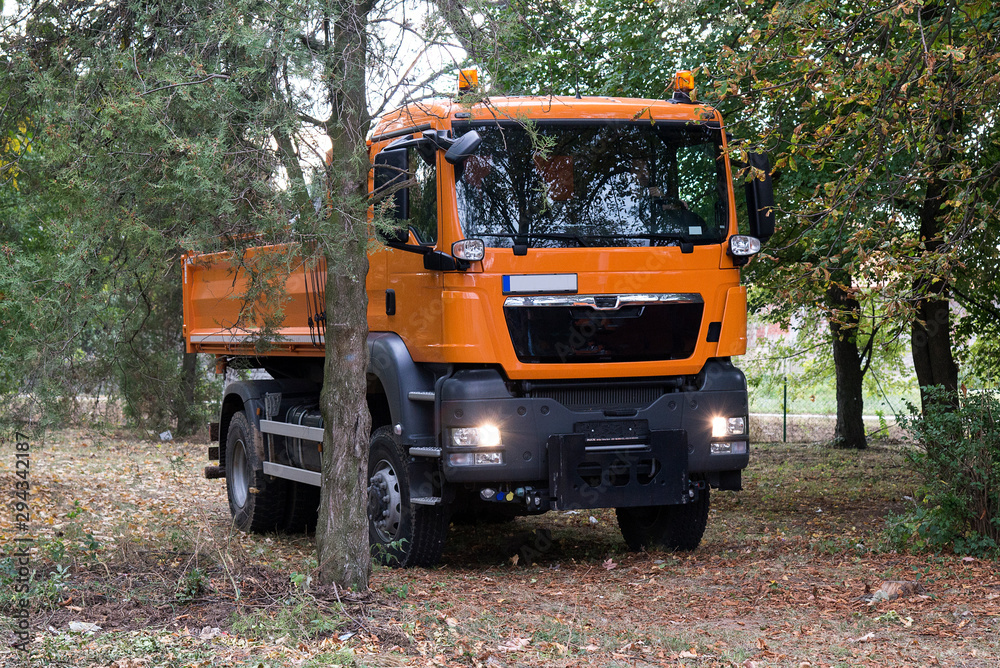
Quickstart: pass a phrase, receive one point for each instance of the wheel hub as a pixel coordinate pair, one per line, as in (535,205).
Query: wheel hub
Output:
(384,502)
(239,469)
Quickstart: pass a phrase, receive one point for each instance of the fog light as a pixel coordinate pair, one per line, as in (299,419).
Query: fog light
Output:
(461,459)
(729,448)
(489,458)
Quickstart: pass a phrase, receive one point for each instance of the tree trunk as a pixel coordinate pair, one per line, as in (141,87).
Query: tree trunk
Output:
(930,340)
(186,413)
(342,529)
(844,308)
(930,331)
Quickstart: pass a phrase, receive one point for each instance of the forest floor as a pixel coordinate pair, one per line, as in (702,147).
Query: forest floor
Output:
(128,536)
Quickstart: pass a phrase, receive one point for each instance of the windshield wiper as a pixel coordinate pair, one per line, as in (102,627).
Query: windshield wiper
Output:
(651,236)
(558,236)
(582,240)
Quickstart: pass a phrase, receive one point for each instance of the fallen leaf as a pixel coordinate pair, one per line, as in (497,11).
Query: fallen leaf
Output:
(688,654)
(609,564)
(83,627)
(865,638)
(514,645)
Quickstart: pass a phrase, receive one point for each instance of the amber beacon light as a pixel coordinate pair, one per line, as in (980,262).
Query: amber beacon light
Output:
(684,84)
(467,80)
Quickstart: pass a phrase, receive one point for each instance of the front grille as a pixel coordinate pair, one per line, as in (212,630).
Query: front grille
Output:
(601,398)
(636,328)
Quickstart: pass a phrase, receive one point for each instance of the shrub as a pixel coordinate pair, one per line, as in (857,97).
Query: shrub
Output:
(958,460)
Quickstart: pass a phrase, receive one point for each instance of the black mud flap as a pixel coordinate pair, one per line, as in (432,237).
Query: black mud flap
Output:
(583,474)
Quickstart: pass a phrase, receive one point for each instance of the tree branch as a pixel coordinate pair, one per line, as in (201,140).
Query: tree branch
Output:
(188,83)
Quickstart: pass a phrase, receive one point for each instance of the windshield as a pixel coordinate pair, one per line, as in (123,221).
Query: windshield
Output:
(557,185)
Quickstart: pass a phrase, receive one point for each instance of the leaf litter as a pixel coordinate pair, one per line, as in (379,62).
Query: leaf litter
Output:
(143,548)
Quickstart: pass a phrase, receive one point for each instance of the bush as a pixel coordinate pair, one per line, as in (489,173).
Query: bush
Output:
(958,459)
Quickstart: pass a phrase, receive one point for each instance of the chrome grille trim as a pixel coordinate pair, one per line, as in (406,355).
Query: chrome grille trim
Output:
(602,302)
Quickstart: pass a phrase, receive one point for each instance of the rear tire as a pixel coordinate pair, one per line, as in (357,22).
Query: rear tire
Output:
(678,527)
(401,534)
(256,502)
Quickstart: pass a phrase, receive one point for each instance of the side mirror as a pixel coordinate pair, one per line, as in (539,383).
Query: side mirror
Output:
(463,147)
(760,197)
(390,170)
(438,261)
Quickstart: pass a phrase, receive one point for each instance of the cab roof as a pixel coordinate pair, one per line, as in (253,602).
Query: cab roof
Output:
(440,114)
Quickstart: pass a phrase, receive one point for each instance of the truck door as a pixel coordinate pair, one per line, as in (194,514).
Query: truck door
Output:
(416,291)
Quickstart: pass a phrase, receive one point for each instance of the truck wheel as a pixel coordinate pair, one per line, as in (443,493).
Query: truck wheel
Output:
(302,510)
(257,504)
(401,534)
(677,527)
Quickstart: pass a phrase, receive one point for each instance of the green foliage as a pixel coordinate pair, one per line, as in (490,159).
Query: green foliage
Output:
(191,585)
(605,47)
(959,463)
(44,589)
(804,361)
(147,144)
(301,581)
(882,130)
(298,618)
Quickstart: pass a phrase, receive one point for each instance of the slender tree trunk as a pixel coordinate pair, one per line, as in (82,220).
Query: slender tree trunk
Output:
(342,530)
(844,308)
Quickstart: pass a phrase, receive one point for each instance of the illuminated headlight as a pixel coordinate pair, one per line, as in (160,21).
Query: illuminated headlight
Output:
(484,436)
(475,458)
(722,427)
(734,448)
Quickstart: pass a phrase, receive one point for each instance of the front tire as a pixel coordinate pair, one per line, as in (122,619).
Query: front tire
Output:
(257,503)
(678,527)
(400,533)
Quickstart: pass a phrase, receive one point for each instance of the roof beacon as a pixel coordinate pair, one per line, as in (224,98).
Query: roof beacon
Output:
(684,86)
(468,80)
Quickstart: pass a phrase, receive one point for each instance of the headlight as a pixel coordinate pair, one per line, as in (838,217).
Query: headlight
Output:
(722,426)
(484,436)
(742,245)
(471,250)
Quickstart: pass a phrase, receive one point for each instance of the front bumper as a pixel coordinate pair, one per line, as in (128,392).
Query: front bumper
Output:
(544,442)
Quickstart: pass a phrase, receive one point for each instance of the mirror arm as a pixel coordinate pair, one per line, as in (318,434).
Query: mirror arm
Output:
(410,248)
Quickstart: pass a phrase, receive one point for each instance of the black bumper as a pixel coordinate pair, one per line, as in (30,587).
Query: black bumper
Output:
(544,443)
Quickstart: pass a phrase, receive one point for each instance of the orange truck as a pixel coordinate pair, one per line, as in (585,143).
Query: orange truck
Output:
(552,327)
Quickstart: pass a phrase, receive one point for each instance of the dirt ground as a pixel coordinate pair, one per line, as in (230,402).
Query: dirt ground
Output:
(793,571)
